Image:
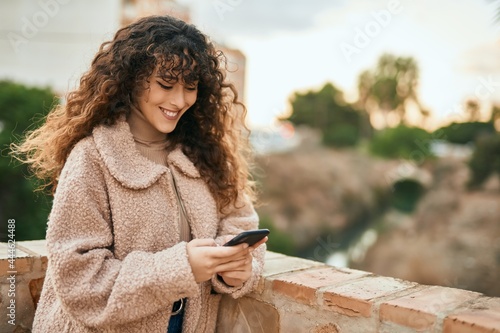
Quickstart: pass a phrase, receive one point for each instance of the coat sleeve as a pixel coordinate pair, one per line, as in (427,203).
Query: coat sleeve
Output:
(91,284)
(242,217)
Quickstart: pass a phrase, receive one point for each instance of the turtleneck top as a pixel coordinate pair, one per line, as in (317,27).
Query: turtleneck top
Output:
(152,144)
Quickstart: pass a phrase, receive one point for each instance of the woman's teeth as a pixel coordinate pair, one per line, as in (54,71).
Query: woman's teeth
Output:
(169,113)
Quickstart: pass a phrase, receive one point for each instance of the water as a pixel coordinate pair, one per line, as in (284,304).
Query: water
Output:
(356,251)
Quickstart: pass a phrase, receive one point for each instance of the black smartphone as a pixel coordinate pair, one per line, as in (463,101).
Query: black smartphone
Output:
(250,237)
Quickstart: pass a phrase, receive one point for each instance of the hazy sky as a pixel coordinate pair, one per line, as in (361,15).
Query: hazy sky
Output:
(290,45)
(299,45)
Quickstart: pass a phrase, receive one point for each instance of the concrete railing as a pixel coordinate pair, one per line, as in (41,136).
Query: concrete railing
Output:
(293,295)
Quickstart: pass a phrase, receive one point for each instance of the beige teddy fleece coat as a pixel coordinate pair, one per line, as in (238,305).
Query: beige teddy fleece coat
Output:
(115,263)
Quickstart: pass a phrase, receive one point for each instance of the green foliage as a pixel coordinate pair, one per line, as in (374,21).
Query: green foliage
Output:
(402,142)
(327,111)
(18,106)
(463,133)
(485,160)
(278,241)
(406,194)
(341,136)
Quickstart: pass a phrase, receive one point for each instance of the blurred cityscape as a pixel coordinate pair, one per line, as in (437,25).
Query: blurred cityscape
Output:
(375,182)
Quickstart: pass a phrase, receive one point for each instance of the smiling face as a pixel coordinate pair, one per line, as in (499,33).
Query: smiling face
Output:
(165,100)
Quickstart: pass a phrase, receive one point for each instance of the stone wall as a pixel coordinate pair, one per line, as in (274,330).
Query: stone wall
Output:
(22,270)
(297,295)
(294,295)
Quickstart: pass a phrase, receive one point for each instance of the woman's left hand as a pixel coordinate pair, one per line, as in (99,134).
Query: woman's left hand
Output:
(238,276)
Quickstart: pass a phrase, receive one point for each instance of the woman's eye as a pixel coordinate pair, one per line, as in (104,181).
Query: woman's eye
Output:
(192,88)
(164,86)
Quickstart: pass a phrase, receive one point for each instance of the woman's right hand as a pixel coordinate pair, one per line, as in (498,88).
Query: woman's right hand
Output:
(207,258)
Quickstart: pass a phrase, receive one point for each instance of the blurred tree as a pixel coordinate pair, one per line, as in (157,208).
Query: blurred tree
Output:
(387,89)
(410,143)
(472,110)
(495,117)
(341,136)
(340,123)
(465,133)
(485,160)
(18,106)
(425,117)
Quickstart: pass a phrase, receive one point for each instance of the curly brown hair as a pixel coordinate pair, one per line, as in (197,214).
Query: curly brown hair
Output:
(211,133)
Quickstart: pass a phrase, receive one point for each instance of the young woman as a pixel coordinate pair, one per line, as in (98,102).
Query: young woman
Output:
(147,161)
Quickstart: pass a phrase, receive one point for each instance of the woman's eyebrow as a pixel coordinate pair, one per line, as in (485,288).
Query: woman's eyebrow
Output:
(167,78)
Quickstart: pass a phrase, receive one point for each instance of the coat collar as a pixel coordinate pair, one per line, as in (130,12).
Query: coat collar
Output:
(117,149)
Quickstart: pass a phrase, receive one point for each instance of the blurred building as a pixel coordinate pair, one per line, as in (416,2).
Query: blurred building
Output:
(51,43)
(236,64)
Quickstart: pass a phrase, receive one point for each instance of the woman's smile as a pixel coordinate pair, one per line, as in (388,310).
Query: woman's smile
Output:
(169,114)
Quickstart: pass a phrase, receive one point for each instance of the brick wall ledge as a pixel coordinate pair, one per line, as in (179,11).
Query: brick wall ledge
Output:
(295,295)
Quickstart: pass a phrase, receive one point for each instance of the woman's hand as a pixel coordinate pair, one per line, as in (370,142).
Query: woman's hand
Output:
(236,277)
(207,258)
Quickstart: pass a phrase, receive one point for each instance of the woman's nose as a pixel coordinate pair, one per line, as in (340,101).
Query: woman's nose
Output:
(177,98)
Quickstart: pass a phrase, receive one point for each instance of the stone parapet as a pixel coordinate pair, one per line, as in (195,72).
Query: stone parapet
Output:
(298,295)
(293,295)
(22,271)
